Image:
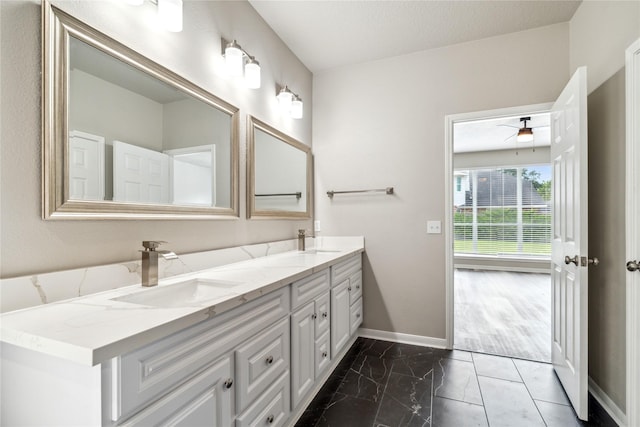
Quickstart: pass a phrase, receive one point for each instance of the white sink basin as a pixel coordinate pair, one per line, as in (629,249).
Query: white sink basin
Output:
(193,292)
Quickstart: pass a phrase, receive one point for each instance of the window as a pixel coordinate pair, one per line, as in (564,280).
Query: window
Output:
(458,183)
(507,212)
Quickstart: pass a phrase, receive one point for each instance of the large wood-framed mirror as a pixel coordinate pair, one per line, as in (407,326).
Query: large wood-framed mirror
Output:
(279,174)
(125,138)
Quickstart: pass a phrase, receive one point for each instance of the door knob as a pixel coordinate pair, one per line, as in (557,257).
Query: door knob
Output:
(575,260)
(633,266)
(589,261)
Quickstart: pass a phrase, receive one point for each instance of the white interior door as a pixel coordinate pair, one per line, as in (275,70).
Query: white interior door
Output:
(570,240)
(633,233)
(139,174)
(86,166)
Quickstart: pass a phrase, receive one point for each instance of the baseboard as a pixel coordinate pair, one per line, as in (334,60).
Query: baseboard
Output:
(607,404)
(403,338)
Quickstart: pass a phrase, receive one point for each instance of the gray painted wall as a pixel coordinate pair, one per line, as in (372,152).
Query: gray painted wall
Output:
(29,244)
(381,124)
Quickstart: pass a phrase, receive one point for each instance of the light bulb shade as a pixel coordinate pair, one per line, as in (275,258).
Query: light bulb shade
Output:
(170,14)
(252,74)
(525,135)
(296,108)
(233,59)
(285,99)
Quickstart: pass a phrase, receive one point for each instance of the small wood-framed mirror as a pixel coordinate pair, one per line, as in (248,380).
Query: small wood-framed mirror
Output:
(125,138)
(279,174)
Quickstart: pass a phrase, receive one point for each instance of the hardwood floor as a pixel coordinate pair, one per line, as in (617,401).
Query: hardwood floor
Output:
(503,313)
(386,384)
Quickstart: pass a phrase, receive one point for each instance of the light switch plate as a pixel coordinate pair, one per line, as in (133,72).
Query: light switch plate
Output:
(316,226)
(434,227)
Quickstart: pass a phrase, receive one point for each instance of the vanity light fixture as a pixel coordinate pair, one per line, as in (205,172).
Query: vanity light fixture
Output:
(169,13)
(234,58)
(290,103)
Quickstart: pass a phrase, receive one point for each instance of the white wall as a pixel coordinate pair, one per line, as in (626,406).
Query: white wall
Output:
(381,124)
(29,244)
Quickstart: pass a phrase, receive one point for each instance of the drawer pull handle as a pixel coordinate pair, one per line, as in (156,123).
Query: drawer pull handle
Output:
(314,316)
(270,419)
(228,383)
(324,354)
(325,314)
(269,360)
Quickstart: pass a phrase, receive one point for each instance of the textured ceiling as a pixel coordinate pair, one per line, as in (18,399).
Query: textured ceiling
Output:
(328,34)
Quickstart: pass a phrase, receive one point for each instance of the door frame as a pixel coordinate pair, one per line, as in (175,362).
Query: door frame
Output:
(632,226)
(449,121)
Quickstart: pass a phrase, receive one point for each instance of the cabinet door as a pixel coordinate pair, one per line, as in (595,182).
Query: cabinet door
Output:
(322,311)
(322,353)
(355,316)
(261,361)
(206,399)
(339,317)
(302,353)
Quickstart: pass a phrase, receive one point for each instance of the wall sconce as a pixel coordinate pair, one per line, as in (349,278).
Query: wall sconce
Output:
(234,58)
(169,13)
(290,103)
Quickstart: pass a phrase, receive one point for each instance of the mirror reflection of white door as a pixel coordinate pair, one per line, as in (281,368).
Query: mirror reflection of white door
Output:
(139,174)
(570,241)
(86,166)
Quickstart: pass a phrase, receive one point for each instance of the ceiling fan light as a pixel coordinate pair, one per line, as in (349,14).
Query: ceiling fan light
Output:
(525,135)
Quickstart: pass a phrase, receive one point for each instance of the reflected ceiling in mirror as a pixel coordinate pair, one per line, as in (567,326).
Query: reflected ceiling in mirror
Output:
(126,138)
(279,170)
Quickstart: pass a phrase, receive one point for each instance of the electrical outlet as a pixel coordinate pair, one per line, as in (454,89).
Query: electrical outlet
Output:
(316,226)
(434,227)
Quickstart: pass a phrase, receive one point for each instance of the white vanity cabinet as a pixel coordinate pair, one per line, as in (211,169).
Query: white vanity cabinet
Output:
(310,320)
(157,369)
(346,301)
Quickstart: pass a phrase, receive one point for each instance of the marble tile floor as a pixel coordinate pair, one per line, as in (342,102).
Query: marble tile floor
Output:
(385,384)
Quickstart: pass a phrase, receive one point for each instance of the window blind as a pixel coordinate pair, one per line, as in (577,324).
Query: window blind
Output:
(507,212)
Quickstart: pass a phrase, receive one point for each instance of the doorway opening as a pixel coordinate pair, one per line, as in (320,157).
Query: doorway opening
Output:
(500,230)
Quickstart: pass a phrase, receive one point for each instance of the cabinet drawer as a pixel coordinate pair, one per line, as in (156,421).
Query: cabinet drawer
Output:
(271,409)
(304,290)
(355,283)
(345,269)
(151,371)
(260,362)
(323,353)
(206,399)
(323,312)
(355,317)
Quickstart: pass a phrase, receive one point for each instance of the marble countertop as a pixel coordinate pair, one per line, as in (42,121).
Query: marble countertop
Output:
(95,328)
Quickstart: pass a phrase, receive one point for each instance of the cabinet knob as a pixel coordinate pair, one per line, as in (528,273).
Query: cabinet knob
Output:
(349,288)
(357,286)
(314,316)
(228,383)
(269,360)
(325,314)
(270,419)
(324,354)
(357,314)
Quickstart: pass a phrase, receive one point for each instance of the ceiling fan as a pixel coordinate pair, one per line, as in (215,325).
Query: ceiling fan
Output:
(524,134)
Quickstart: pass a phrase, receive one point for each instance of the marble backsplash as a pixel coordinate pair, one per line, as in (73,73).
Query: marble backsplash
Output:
(28,291)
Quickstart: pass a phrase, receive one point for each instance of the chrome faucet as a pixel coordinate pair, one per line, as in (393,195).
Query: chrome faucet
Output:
(150,261)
